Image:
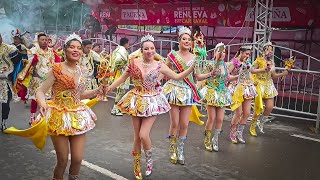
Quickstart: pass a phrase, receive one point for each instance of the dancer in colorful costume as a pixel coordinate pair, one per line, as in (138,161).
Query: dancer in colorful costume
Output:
(8,59)
(144,102)
(216,96)
(64,117)
(52,43)
(199,46)
(264,70)
(242,91)
(181,95)
(41,58)
(89,63)
(119,61)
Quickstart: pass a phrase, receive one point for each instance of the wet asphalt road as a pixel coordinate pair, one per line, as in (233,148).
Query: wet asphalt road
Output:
(274,155)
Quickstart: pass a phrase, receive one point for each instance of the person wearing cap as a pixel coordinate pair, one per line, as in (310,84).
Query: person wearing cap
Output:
(242,90)
(264,70)
(40,60)
(8,58)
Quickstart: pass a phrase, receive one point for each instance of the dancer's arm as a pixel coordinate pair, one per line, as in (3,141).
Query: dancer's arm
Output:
(206,75)
(278,75)
(172,75)
(88,94)
(41,91)
(255,69)
(119,81)
(232,78)
(167,62)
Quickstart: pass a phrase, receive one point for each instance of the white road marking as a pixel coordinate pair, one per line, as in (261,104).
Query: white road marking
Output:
(305,137)
(99,169)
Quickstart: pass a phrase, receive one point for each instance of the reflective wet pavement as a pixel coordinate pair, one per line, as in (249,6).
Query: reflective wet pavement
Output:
(274,155)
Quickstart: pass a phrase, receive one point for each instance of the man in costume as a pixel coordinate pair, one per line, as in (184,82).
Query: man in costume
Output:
(41,58)
(119,61)
(89,62)
(8,59)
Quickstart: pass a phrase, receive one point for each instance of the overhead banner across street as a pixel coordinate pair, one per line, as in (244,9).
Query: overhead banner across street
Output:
(232,14)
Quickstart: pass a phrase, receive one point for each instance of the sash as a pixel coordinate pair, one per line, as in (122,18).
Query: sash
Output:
(181,66)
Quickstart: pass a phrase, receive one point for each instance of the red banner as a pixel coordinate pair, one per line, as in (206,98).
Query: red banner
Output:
(296,14)
(164,14)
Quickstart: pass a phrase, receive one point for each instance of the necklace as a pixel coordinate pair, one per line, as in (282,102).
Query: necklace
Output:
(146,64)
(73,72)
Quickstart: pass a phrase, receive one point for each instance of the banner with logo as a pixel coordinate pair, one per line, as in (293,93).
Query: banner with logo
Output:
(232,14)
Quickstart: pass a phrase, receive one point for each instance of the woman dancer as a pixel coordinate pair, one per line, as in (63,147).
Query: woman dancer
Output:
(216,96)
(67,119)
(243,91)
(144,101)
(181,96)
(264,70)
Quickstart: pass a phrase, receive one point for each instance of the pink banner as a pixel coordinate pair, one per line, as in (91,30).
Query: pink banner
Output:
(232,14)
(163,14)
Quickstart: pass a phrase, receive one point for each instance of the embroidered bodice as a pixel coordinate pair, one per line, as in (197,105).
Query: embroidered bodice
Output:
(218,82)
(144,84)
(66,92)
(174,68)
(264,76)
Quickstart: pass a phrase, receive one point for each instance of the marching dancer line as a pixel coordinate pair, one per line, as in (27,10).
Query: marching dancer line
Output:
(66,119)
